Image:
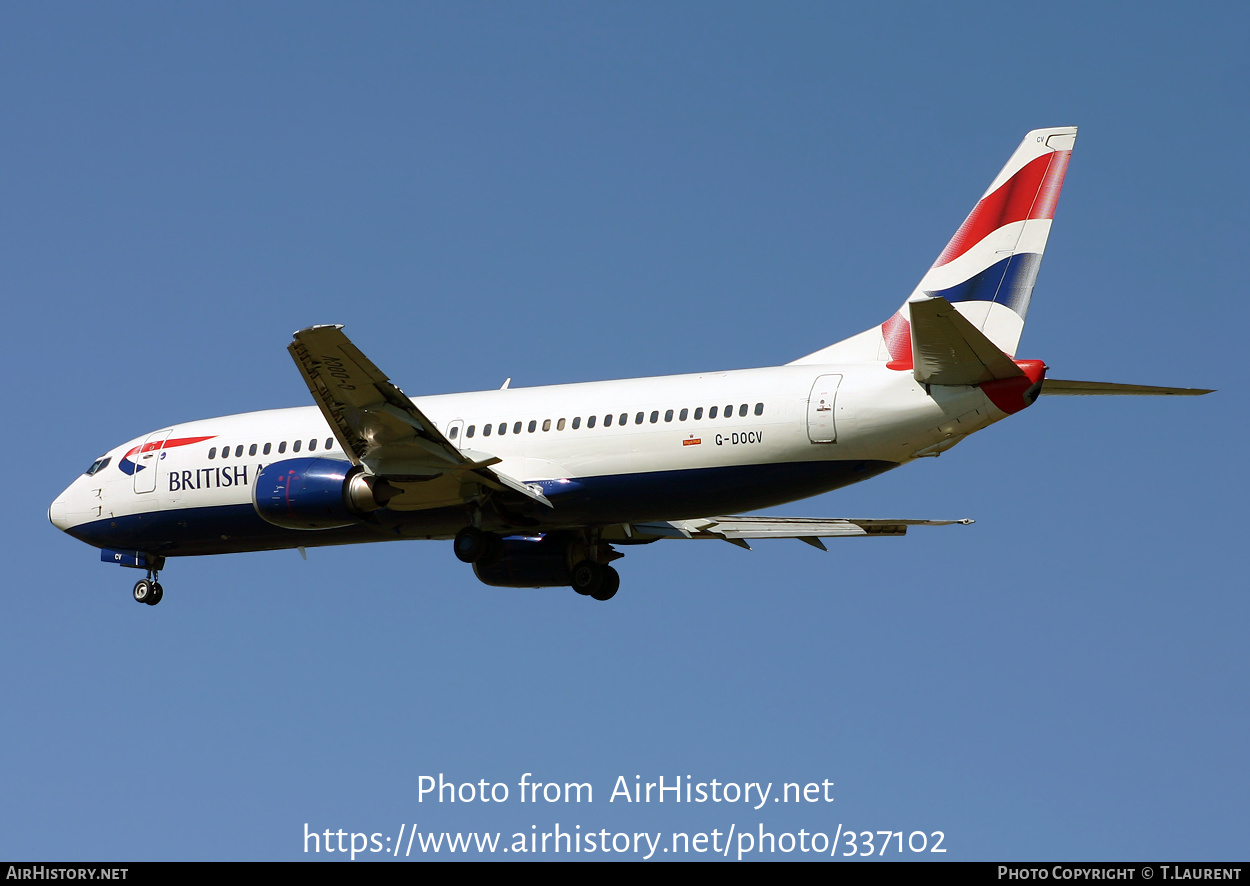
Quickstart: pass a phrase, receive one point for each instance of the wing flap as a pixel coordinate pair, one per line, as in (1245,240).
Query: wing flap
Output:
(806,529)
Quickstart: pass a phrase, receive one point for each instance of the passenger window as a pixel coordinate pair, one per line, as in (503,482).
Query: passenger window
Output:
(469,432)
(623,418)
(455,429)
(698,413)
(296,445)
(668,416)
(560,424)
(683,415)
(590,422)
(312,444)
(759,408)
(486,430)
(516,428)
(238,451)
(546,424)
(268,446)
(212,453)
(533,425)
(655,416)
(251,450)
(729,411)
(329,442)
(711,413)
(282,447)
(638,419)
(742,410)
(577,422)
(607,421)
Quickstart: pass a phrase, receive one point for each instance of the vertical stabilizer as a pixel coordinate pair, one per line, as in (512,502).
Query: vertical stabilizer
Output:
(988,268)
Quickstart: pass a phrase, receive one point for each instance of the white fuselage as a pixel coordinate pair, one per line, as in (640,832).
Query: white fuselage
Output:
(604,452)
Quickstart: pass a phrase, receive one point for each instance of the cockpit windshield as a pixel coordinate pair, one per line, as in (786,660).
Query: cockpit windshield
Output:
(98,465)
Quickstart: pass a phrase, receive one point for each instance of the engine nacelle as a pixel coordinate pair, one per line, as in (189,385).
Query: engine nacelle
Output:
(527,561)
(315,493)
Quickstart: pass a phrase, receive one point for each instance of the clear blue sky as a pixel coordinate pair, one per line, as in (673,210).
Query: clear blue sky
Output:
(564,192)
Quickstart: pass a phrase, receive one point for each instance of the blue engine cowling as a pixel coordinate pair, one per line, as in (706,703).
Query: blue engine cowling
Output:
(527,561)
(306,493)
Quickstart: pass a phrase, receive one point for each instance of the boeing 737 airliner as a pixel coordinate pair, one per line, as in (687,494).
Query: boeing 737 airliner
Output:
(539,486)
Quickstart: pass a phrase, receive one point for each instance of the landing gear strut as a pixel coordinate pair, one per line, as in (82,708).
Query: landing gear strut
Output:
(148,590)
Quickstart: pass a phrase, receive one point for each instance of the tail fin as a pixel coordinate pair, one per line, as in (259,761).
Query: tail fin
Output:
(988,268)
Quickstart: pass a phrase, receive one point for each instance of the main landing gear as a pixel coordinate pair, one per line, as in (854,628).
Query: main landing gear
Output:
(600,582)
(148,590)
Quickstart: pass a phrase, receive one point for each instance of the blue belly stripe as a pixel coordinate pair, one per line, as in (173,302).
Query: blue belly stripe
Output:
(617,498)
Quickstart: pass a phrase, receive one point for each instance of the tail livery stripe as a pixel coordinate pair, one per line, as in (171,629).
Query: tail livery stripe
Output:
(1008,282)
(988,268)
(897,334)
(1029,194)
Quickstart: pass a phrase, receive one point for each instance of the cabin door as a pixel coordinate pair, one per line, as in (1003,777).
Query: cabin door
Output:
(820,404)
(147,461)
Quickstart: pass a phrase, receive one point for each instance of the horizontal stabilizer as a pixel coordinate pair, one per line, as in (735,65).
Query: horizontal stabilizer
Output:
(948,350)
(1060,387)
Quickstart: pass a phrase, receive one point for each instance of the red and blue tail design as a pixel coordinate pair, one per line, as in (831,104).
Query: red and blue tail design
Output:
(988,269)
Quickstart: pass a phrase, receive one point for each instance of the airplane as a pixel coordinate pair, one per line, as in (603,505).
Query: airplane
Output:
(538,487)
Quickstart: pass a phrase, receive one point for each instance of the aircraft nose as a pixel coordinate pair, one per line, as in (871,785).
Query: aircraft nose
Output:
(58,512)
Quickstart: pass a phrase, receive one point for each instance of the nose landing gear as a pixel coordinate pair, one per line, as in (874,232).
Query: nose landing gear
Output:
(148,590)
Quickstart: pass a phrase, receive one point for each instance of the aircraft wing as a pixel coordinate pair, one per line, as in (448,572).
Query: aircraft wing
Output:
(737,530)
(379,427)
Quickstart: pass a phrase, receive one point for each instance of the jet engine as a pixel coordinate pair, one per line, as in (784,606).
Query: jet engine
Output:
(527,561)
(317,493)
